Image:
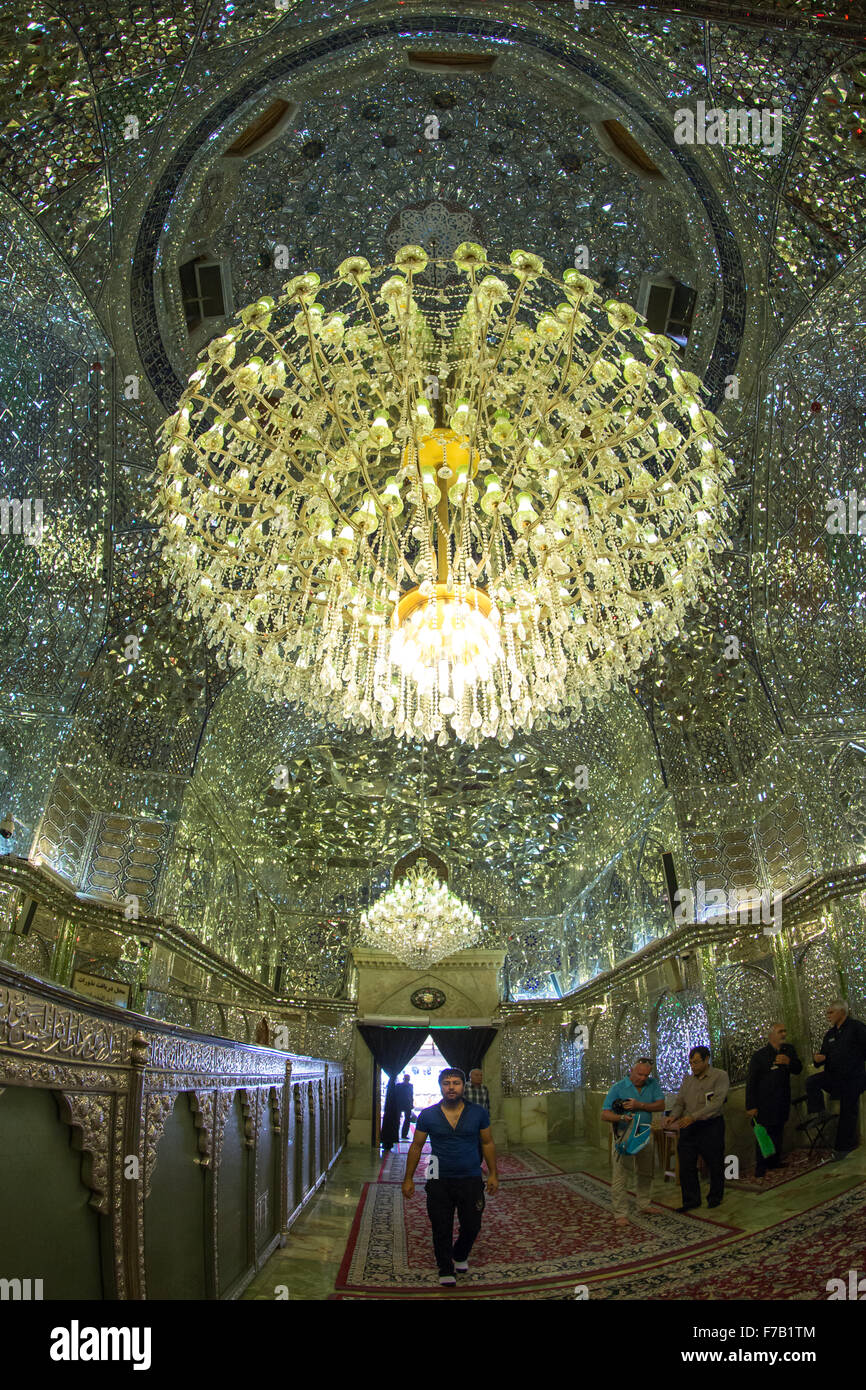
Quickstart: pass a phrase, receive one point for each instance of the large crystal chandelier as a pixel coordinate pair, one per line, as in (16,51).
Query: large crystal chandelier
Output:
(462,508)
(420,920)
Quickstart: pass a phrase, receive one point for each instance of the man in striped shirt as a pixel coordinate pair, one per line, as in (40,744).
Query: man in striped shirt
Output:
(475,1093)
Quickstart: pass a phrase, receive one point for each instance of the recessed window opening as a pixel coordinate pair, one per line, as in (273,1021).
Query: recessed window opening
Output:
(425,61)
(629,148)
(621,145)
(203,290)
(668,307)
(261,132)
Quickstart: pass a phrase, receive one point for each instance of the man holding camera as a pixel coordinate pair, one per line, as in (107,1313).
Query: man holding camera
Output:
(635,1094)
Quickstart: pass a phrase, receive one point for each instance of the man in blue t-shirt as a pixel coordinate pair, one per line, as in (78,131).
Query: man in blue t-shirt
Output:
(454,1181)
(637,1093)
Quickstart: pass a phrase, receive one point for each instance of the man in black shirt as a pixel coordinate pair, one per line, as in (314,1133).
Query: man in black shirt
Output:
(405,1095)
(768,1092)
(842,1055)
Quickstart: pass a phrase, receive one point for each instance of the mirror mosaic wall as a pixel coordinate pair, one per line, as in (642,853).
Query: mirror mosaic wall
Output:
(224,840)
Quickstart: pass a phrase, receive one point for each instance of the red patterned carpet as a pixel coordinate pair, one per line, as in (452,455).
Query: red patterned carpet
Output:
(537,1231)
(518,1163)
(792,1261)
(797,1162)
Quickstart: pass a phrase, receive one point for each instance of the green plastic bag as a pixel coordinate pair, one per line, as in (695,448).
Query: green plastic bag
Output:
(765,1143)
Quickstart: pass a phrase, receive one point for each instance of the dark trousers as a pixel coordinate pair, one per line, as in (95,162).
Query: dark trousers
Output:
(704,1139)
(444,1196)
(407,1117)
(847,1090)
(775,1132)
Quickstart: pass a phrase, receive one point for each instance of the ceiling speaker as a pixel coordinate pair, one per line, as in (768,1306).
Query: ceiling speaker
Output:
(26,915)
(673,975)
(670,881)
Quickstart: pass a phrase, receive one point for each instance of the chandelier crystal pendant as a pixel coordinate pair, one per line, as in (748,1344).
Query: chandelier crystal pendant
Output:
(437,510)
(420,920)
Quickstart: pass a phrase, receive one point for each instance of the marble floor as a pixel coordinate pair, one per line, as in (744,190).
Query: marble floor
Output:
(309,1263)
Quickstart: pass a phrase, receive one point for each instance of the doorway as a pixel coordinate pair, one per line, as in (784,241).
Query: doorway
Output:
(423,1070)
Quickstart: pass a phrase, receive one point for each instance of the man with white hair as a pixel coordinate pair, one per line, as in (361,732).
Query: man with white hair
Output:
(476,1092)
(843,1058)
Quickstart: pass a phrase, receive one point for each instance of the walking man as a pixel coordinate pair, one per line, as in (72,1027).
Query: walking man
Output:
(635,1094)
(405,1095)
(454,1180)
(842,1055)
(697,1114)
(768,1092)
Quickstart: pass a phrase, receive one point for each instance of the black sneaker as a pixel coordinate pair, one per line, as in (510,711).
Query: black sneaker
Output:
(693,1206)
(447,1279)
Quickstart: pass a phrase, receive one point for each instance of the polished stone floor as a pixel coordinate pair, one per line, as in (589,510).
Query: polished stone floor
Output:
(307,1267)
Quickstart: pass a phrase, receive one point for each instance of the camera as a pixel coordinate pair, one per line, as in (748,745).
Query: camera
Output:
(618,1107)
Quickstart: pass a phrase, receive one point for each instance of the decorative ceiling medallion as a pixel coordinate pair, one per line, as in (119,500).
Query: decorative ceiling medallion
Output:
(439,227)
(427,999)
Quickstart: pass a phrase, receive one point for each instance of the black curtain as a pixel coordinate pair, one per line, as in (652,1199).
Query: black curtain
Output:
(463,1047)
(392,1048)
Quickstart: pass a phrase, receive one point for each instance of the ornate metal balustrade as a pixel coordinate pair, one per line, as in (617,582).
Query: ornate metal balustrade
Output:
(119,1080)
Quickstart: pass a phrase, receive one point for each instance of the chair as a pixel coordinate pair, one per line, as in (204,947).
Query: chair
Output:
(815,1125)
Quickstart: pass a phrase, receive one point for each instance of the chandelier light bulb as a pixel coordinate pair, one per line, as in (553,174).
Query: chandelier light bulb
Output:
(436,511)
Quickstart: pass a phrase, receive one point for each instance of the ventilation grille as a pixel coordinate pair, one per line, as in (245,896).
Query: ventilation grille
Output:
(126,860)
(64,830)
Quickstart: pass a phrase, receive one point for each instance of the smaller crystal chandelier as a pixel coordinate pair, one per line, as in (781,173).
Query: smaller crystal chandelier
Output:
(420,920)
